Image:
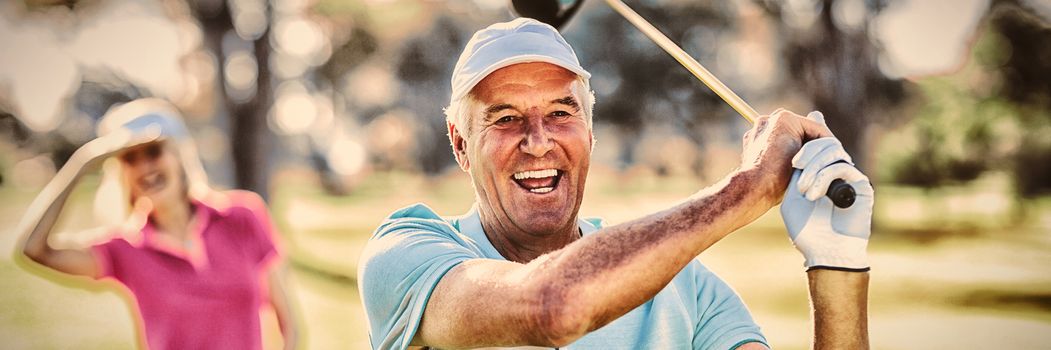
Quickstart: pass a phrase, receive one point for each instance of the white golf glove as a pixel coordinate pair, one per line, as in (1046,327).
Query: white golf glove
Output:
(828,236)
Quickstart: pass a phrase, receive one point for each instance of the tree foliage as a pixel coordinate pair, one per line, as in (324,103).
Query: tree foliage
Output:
(992,115)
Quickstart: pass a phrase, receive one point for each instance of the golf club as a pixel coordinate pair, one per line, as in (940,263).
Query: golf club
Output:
(554,13)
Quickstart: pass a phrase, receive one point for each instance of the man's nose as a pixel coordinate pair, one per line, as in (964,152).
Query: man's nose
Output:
(537,141)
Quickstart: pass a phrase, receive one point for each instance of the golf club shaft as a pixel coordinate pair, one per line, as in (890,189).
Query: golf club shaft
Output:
(841,193)
(684,58)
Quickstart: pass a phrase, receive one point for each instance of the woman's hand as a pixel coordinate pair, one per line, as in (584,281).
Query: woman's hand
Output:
(92,154)
(43,213)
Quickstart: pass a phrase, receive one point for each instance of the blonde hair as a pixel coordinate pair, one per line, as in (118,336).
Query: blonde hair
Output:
(113,202)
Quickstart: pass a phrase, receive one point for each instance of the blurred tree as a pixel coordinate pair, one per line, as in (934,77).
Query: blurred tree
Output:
(832,57)
(831,60)
(249,134)
(637,83)
(11,130)
(360,44)
(424,68)
(1026,81)
(952,139)
(98,87)
(993,114)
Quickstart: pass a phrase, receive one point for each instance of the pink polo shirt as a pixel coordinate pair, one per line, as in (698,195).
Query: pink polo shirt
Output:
(205,296)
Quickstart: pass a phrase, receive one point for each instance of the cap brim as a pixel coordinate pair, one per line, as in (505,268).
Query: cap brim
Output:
(513,60)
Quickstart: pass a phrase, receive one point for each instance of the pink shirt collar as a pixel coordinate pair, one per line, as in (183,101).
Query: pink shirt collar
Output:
(194,252)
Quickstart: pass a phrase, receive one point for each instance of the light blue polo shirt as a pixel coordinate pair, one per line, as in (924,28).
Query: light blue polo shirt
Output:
(414,247)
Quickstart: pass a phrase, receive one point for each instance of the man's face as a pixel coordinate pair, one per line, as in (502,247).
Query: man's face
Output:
(529,147)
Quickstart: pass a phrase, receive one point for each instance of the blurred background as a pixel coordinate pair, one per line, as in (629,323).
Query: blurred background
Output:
(332,110)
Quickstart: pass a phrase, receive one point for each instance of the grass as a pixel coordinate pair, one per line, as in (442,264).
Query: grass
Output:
(954,276)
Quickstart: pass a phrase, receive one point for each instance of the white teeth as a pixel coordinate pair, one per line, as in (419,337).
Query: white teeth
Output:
(536,174)
(542,190)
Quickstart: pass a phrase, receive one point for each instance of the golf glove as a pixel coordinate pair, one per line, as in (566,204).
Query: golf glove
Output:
(828,236)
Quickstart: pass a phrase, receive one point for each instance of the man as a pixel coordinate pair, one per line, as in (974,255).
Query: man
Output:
(521,269)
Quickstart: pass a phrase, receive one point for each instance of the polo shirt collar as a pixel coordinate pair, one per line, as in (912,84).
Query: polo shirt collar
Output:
(195,252)
(470,225)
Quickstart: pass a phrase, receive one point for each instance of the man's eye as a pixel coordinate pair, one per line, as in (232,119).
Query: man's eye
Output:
(560,114)
(506,119)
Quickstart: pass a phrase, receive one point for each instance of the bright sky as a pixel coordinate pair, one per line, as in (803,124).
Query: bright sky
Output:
(924,37)
(136,41)
(34,91)
(42,61)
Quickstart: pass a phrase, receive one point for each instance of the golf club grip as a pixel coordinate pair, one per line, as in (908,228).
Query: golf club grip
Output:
(841,193)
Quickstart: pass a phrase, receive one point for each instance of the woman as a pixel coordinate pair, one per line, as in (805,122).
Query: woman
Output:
(199,263)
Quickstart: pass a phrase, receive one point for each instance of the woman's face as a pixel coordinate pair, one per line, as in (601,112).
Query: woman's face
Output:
(153,170)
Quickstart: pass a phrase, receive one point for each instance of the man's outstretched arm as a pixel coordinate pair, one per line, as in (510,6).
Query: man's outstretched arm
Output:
(840,308)
(559,297)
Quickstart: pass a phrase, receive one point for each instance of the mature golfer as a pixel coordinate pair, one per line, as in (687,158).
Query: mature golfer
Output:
(522,269)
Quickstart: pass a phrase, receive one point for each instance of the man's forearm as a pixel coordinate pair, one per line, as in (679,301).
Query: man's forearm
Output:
(601,277)
(840,306)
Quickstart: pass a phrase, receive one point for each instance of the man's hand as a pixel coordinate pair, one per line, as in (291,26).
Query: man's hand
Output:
(770,145)
(831,239)
(827,236)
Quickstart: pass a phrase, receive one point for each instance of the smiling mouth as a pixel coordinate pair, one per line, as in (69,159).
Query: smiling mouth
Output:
(538,181)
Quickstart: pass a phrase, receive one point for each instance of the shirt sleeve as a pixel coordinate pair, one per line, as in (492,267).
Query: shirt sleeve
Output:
(399,268)
(724,321)
(107,256)
(262,245)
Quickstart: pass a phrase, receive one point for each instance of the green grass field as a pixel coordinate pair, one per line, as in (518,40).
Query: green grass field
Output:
(951,269)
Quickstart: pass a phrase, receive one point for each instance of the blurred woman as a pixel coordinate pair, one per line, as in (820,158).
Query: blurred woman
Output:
(200,263)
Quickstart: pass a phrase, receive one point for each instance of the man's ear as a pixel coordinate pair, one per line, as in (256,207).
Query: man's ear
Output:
(592,134)
(459,144)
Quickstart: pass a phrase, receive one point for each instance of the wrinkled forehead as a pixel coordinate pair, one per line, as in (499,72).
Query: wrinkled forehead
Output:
(526,72)
(525,80)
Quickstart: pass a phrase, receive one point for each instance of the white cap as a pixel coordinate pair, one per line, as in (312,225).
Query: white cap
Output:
(139,114)
(503,44)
